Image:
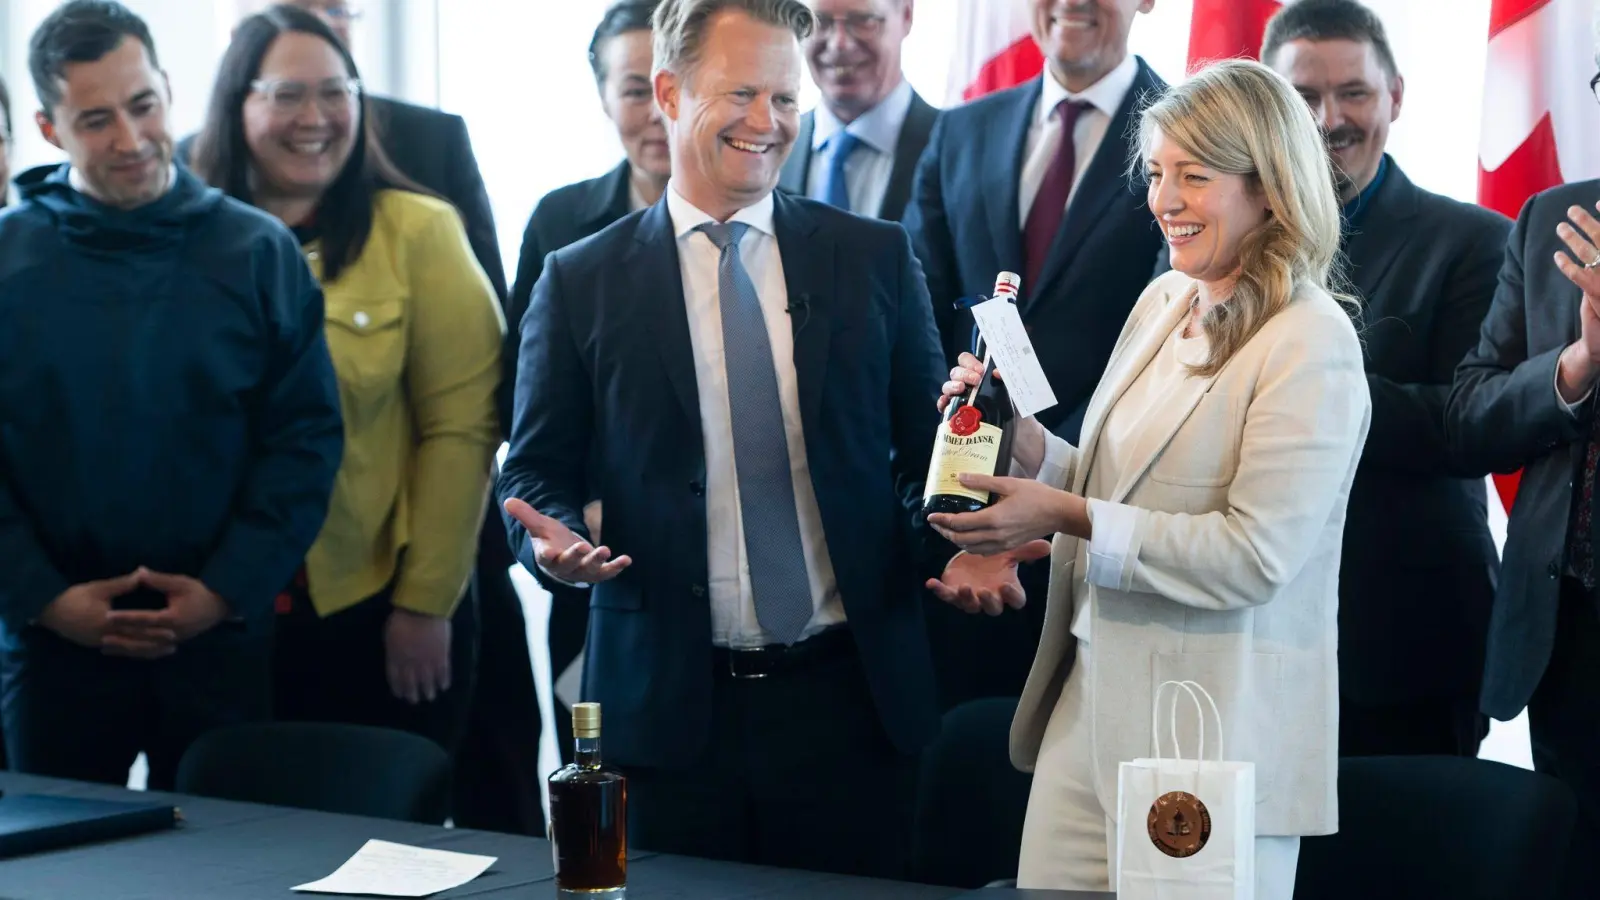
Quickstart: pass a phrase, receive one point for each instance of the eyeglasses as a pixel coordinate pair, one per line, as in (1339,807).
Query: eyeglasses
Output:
(861,26)
(341,13)
(333,95)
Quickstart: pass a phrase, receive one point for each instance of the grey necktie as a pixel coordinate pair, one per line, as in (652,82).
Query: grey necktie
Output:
(760,448)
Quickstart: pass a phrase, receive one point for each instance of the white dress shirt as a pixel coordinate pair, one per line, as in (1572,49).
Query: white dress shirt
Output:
(733,611)
(1113,524)
(1044,135)
(867,171)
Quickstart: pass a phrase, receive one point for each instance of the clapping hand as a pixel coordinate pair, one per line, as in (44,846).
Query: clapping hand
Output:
(1580,362)
(562,553)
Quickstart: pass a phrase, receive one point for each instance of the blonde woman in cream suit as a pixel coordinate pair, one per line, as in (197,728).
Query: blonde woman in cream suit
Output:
(1196,531)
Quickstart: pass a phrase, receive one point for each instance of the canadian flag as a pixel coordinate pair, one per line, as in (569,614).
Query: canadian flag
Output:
(1224,29)
(994,49)
(1539,118)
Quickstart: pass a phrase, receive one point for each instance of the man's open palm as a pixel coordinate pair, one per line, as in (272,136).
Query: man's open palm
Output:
(561,552)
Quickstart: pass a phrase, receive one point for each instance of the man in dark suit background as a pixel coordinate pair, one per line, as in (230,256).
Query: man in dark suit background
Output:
(1524,398)
(1085,254)
(858,150)
(755,374)
(1417,578)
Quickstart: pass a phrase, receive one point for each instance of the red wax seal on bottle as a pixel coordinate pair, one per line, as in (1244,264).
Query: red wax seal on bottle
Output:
(966,421)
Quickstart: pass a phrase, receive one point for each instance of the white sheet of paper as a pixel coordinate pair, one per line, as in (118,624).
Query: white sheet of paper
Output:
(397,870)
(1006,339)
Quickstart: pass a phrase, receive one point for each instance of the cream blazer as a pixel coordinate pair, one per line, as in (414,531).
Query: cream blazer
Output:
(1232,578)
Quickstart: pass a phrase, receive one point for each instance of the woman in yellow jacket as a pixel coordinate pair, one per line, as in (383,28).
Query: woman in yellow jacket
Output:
(365,635)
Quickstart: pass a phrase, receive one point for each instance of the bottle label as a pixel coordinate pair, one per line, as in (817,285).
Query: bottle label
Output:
(954,455)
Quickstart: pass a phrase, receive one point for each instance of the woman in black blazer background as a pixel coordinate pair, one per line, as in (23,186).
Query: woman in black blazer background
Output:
(620,55)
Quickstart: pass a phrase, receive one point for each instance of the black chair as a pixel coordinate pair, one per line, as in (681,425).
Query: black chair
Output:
(1439,826)
(970,800)
(354,769)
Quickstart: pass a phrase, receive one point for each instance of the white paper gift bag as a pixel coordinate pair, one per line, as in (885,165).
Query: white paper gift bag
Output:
(1186,828)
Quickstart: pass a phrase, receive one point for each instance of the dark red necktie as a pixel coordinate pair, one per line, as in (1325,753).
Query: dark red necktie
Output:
(1580,545)
(1050,204)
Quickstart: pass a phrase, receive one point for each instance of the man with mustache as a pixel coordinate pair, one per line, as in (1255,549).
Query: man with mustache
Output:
(1417,578)
(172,425)
(998,189)
(859,149)
(743,378)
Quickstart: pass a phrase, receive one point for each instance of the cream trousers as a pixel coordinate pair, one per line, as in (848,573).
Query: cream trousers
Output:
(1068,839)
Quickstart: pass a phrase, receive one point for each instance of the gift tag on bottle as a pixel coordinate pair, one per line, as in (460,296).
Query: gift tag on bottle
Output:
(1007,341)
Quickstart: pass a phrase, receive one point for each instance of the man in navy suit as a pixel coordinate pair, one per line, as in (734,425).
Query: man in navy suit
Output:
(858,149)
(747,379)
(999,190)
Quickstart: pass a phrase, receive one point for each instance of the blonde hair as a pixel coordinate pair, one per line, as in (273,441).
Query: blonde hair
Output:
(680,26)
(1241,118)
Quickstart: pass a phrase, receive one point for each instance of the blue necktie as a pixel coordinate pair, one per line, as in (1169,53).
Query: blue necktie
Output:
(772,545)
(836,187)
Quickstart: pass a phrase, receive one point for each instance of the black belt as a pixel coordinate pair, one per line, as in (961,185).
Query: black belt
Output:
(776,659)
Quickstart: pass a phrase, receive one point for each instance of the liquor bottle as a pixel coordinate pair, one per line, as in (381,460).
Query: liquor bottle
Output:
(589,817)
(975,436)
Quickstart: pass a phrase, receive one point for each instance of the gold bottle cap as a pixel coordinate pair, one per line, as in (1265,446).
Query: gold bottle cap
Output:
(586,720)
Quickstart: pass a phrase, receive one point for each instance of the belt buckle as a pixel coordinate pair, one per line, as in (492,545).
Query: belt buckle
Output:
(751,654)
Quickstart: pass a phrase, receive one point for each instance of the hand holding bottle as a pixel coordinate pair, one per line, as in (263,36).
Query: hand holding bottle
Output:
(1026,510)
(561,553)
(967,375)
(1027,447)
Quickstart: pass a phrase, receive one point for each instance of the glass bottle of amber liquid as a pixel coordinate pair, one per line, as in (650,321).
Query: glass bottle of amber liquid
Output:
(589,817)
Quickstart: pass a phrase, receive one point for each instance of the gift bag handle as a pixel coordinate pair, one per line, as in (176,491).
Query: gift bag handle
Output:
(1195,692)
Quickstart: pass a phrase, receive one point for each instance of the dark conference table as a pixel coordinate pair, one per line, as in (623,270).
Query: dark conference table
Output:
(243,851)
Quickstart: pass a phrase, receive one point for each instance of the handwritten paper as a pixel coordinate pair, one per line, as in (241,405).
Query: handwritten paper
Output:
(1006,340)
(397,870)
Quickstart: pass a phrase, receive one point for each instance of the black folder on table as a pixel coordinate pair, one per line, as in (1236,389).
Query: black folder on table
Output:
(33,823)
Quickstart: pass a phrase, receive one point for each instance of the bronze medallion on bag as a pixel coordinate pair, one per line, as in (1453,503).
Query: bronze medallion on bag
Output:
(1179,824)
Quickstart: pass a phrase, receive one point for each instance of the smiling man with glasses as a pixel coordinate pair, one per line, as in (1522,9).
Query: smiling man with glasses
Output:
(858,150)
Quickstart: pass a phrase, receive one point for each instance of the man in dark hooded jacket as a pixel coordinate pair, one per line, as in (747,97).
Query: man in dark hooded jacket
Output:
(169,425)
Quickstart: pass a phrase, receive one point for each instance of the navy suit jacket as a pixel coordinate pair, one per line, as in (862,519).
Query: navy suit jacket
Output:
(606,396)
(1504,415)
(1417,578)
(914,134)
(966,225)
